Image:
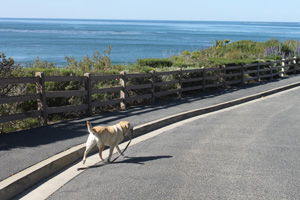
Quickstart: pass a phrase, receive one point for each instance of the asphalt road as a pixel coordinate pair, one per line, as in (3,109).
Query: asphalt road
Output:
(25,148)
(250,151)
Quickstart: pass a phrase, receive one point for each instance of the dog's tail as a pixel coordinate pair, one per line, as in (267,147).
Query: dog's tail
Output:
(89,126)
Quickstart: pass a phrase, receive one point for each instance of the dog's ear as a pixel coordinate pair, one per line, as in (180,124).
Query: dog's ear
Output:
(125,124)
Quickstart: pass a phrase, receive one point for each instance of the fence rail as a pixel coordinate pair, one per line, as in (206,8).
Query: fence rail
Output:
(180,81)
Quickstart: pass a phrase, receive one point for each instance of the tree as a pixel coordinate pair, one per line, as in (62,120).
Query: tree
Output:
(8,69)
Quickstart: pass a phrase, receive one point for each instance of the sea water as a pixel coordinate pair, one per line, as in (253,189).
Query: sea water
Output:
(53,39)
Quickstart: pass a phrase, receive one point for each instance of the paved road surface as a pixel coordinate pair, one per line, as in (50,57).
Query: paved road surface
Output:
(249,151)
(25,148)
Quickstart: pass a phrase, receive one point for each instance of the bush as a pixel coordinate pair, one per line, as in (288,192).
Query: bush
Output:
(8,68)
(236,55)
(98,63)
(155,62)
(185,65)
(214,62)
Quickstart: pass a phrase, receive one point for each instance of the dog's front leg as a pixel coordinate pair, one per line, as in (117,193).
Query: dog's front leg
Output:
(101,147)
(120,152)
(111,149)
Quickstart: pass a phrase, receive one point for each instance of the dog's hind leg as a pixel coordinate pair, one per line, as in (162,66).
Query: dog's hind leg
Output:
(120,152)
(90,143)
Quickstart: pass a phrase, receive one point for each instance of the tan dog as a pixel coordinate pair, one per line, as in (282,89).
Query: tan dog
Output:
(109,136)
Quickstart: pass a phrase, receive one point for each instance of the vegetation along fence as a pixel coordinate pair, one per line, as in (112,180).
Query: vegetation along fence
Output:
(134,87)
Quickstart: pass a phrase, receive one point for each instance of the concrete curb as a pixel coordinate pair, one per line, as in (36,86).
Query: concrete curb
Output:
(23,180)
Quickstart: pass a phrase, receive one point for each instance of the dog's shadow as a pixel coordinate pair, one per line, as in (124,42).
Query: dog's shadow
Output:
(129,160)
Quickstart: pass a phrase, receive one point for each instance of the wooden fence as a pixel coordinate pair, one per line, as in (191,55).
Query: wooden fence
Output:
(157,86)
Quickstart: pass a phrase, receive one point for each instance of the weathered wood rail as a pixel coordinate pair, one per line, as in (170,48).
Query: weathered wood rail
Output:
(180,81)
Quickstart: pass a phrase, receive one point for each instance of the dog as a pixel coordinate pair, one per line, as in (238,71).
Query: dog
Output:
(110,136)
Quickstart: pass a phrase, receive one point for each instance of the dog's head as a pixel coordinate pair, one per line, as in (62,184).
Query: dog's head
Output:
(126,127)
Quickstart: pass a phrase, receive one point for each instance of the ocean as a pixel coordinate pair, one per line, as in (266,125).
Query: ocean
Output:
(53,39)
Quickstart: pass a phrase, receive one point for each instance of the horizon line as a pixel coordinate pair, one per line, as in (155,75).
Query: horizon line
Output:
(158,20)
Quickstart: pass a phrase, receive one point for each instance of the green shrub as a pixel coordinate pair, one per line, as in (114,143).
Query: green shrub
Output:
(98,63)
(214,61)
(184,65)
(186,53)
(8,68)
(155,62)
(236,55)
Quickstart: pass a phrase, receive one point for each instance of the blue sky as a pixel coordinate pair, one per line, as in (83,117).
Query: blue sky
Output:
(207,10)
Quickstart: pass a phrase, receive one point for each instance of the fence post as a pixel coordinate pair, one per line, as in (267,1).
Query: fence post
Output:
(224,76)
(123,90)
(243,74)
(88,88)
(179,87)
(41,102)
(282,69)
(203,81)
(271,70)
(258,75)
(153,86)
(295,65)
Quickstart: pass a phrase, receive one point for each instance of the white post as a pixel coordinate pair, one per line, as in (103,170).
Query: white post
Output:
(282,69)
(295,65)
(123,90)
